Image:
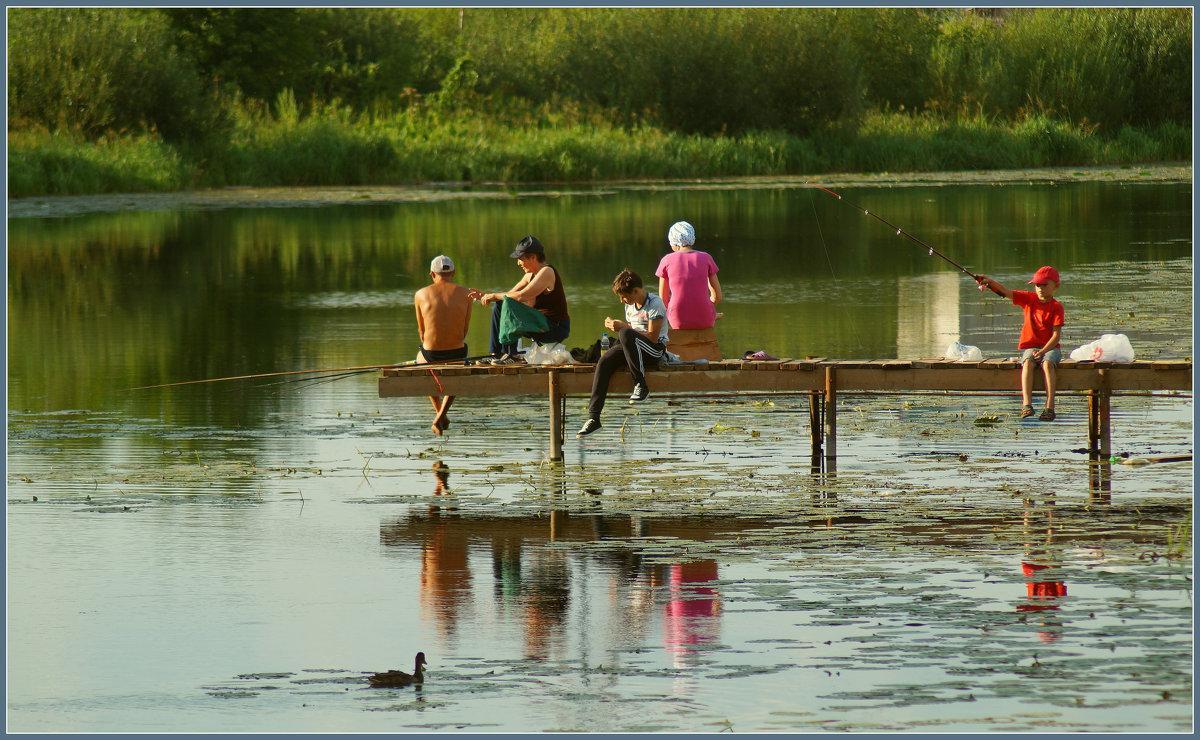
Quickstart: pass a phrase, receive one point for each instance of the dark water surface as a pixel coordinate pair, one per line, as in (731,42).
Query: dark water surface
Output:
(238,556)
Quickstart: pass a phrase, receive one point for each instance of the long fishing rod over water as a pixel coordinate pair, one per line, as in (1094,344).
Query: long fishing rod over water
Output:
(335,373)
(902,232)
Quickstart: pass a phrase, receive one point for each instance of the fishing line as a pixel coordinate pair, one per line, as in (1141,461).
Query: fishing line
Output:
(931,251)
(829,261)
(902,232)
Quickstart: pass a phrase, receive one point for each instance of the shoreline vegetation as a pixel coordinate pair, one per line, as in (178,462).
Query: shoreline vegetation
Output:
(168,100)
(49,206)
(323,152)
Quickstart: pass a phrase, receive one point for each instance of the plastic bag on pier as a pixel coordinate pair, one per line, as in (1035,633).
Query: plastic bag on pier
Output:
(957,351)
(1108,348)
(549,354)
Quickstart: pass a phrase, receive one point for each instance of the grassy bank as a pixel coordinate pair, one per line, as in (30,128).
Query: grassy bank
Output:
(335,148)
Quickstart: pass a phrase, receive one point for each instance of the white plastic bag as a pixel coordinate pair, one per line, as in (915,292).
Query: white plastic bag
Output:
(549,354)
(1108,348)
(957,351)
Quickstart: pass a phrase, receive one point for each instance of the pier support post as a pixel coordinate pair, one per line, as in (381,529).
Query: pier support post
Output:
(1099,417)
(556,420)
(1103,418)
(815,423)
(1093,422)
(830,413)
(1099,477)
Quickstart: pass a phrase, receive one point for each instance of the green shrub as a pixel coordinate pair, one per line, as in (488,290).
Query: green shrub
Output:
(965,64)
(893,46)
(693,70)
(187,72)
(328,147)
(63,164)
(1162,71)
(1085,66)
(103,70)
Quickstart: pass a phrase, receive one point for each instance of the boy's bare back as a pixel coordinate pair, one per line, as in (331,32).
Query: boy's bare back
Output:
(443,315)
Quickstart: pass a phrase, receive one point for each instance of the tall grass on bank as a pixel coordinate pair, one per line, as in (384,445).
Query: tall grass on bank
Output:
(333,147)
(41,163)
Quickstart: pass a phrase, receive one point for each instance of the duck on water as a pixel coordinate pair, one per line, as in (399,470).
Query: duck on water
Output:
(394,678)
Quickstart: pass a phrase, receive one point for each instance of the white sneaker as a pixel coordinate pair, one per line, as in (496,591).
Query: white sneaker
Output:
(588,427)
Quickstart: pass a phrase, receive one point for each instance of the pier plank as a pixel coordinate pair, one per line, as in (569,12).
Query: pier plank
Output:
(735,375)
(820,377)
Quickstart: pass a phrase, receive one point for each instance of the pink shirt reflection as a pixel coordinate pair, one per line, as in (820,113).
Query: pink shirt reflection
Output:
(692,615)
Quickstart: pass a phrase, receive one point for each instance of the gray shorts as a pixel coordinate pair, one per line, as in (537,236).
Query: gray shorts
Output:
(1054,356)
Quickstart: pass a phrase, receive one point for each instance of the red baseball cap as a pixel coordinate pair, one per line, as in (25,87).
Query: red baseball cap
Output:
(1045,275)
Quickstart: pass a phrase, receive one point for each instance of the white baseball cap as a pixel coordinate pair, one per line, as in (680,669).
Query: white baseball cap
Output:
(441,263)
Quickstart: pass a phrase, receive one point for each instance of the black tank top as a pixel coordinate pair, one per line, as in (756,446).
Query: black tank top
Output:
(554,303)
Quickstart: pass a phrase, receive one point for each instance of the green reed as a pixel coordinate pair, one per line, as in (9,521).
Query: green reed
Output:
(333,146)
(40,163)
(1179,539)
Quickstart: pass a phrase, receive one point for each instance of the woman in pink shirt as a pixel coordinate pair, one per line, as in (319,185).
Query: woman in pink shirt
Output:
(687,281)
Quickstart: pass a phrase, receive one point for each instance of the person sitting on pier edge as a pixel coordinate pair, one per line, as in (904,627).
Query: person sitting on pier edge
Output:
(542,288)
(443,317)
(641,342)
(687,281)
(1044,319)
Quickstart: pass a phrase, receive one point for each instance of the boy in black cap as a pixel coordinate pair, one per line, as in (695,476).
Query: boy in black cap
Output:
(542,288)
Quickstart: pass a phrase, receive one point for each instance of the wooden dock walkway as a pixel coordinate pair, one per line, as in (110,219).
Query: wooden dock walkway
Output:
(822,379)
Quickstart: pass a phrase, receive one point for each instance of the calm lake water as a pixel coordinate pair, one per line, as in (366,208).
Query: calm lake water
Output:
(240,555)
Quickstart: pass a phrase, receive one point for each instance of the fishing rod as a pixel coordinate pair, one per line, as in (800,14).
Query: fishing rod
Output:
(336,372)
(364,368)
(902,232)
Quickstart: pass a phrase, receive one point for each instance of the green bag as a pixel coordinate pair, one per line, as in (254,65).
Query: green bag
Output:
(518,320)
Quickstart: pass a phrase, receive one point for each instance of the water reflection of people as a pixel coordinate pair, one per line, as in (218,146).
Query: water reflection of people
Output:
(545,597)
(445,570)
(632,584)
(1039,566)
(692,614)
(534,585)
(442,473)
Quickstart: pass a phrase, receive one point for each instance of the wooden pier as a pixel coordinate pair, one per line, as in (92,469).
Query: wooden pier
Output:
(822,379)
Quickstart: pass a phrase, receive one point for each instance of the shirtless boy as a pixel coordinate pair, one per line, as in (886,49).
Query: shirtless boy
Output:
(443,317)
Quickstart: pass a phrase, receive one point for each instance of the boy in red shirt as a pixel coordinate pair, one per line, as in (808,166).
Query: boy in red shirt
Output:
(1039,335)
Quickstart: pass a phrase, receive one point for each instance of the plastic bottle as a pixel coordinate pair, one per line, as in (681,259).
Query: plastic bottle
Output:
(604,345)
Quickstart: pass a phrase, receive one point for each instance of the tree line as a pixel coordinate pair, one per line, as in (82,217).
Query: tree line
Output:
(187,74)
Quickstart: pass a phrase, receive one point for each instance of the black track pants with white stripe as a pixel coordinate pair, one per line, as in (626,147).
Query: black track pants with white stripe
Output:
(633,351)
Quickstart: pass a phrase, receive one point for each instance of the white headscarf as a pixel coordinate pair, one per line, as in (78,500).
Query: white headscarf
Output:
(681,234)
